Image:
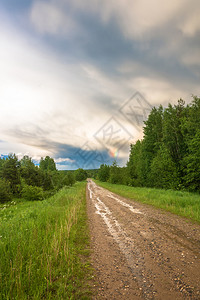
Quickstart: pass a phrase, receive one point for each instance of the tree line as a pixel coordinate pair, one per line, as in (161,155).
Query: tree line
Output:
(168,156)
(22,178)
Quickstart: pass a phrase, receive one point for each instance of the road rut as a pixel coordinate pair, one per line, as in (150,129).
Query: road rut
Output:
(139,252)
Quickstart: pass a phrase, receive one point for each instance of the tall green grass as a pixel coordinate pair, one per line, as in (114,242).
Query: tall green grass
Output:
(44,247)
(181,203)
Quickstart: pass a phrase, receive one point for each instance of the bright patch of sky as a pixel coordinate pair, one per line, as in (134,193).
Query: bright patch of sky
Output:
(68,68)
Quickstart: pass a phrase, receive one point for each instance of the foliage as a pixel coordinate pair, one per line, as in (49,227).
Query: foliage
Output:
(93,173)
(114,173)
(10,172)
(44,247)
(136,166)
(191,161)
(31,174)
(163,171)
(81,174)
(32,193)
(47,164)
(23,177)
(68,179)
(5,193)
(104,172)
(168,156)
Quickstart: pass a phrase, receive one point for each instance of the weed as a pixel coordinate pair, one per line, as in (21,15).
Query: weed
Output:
(44,247)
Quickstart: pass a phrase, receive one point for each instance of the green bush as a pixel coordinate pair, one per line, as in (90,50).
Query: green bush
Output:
(80,174)
(32,193)
(5,194)
(104,172)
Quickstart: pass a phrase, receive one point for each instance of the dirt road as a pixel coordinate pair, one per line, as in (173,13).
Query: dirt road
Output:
(139,252)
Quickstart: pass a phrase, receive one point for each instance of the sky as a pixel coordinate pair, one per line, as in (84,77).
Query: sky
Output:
(78,78)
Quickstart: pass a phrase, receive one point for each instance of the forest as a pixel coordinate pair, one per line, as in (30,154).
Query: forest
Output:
(168,156)
(23,179)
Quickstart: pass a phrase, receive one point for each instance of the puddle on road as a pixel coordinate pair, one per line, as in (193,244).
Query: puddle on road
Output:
(127,246)
(90,191)
(133,210)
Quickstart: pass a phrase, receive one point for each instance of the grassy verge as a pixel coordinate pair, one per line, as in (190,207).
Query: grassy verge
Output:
(181,203)
(44,247)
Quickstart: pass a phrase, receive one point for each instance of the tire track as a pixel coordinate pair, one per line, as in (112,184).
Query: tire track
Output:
(149,240)
(126,244)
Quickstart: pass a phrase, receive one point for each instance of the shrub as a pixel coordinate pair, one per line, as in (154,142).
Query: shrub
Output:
(104,172)
(80,175)
(32,193)
(5,193)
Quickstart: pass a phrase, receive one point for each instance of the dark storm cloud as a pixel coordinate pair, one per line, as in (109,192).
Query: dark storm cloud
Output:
(73,157)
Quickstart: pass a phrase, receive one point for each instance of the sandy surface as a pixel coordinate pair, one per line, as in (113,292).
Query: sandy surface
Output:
(139,252)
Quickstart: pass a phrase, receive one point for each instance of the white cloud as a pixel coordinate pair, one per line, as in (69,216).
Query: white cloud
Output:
(25,76)
(110,86)
(49,18)
(171,22)
(189,21)
(61,160)
(144,19)
(141,17)
(40,89)
(37,90)
(157,90)
(14,147)
(43,97)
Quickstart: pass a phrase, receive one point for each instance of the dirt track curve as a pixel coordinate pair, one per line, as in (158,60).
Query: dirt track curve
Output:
(139,252)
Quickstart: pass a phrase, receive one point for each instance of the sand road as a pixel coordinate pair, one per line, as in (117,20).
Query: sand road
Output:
(139,252)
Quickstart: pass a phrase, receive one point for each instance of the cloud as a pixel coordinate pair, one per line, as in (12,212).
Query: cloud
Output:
(49,18)
(82,157)
(68,66)
(39,88)
(153,33)
(156,88)
(45,98)
(64,163)
(139,19)
(189,24)
(190,57)
(61,160)
(142,18)
(26,77)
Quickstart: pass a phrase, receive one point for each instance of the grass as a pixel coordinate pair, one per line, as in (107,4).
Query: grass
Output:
(181,203)
(44,247)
